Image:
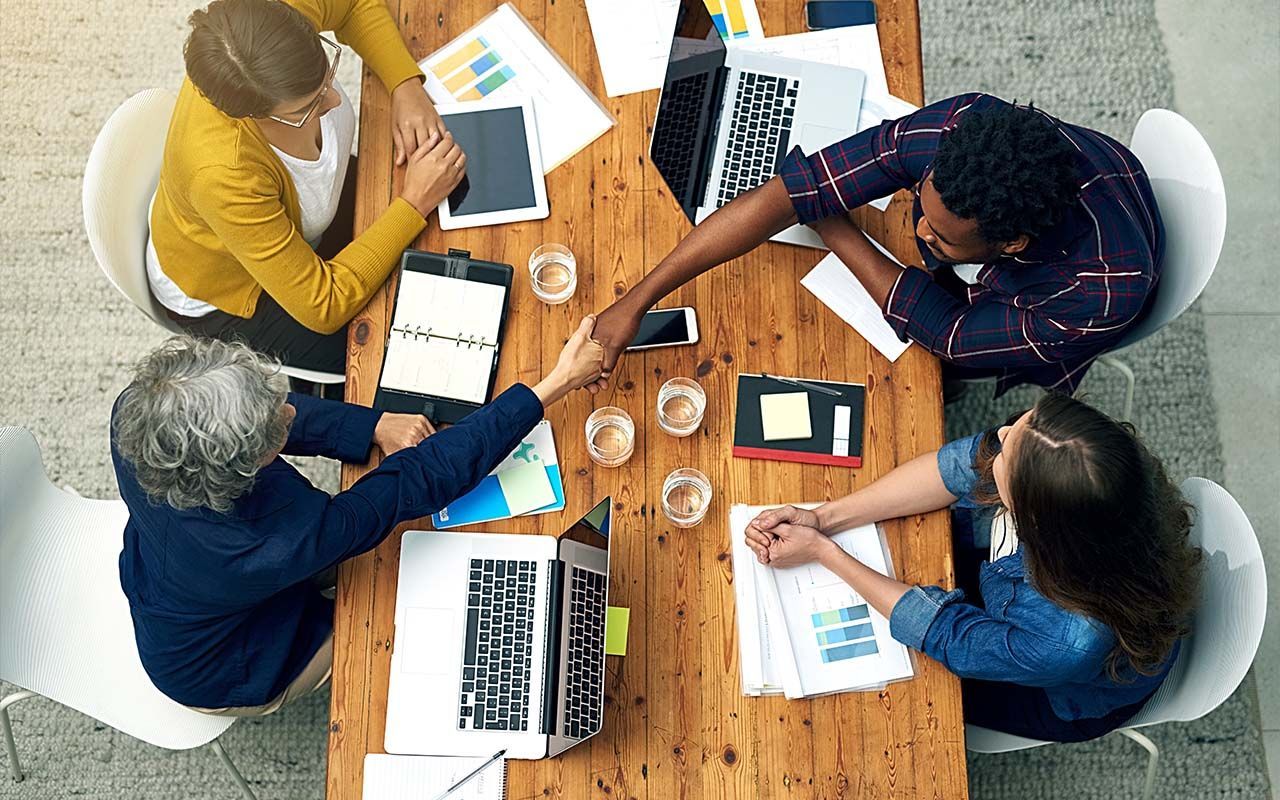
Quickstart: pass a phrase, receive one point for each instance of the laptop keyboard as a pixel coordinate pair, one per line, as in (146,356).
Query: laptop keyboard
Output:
(584,683)
(498,647)
(762,114)
(672,151)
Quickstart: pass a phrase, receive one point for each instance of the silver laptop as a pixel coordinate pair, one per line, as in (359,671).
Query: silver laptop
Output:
(727,118)
(499,641)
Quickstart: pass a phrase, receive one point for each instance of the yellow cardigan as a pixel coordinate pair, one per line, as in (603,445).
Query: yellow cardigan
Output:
(226,222)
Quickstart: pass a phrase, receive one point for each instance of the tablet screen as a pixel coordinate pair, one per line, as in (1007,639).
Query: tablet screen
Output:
(499,177)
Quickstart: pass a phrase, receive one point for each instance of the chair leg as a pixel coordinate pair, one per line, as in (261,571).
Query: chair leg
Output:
(14,767)
(1152,761)
(216,744)
(1127,373)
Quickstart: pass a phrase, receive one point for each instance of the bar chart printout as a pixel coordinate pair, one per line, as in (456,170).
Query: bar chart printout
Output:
(844,633)
(736,19)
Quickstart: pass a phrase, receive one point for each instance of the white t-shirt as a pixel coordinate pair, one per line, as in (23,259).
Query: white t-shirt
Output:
(318,183)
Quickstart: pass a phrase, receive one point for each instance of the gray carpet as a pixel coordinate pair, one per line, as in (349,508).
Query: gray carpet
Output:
(69,339)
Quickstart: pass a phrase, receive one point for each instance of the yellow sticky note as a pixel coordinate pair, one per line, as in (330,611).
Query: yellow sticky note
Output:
(785,416)
(617,621)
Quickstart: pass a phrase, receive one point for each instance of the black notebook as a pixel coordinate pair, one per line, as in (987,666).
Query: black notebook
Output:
(835,422)
(447,324)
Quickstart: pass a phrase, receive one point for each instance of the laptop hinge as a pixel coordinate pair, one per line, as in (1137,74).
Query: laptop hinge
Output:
(551,658)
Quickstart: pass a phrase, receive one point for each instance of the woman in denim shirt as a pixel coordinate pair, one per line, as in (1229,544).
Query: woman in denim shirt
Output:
(1069,634)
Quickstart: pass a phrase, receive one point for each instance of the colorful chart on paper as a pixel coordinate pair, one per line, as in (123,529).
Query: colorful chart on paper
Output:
(731,18)
(474,71)
(844,633)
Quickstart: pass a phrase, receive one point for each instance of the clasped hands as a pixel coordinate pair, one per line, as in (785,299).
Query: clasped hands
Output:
(789,536)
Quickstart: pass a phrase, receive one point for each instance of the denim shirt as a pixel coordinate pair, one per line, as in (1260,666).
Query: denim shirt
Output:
(1014,634)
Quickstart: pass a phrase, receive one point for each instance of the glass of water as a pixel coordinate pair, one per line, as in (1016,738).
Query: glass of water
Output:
(611,436)
(686,496)
(681,403)
(554,273)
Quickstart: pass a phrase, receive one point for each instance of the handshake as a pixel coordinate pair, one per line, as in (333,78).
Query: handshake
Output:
(592,352)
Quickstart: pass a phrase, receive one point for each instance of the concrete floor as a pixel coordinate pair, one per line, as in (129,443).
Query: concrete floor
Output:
(1226,72)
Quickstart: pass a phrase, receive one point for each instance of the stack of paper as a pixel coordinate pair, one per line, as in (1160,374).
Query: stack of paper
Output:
(802,631)
(838,289)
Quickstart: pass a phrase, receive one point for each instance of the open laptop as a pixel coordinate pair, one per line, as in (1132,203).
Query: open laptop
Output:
(727,117)
(499,641)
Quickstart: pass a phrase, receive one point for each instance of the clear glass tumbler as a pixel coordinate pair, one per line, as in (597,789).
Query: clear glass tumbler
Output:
(554,273)
(611,436)
(686,496)
(681,404)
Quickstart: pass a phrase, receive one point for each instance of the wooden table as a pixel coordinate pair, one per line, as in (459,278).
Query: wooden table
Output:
(676,723)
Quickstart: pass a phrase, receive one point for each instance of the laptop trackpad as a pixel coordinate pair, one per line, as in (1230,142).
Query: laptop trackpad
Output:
(815,137)
(420,641)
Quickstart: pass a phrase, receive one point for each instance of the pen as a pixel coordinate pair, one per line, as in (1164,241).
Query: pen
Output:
(473,773)
(809,386)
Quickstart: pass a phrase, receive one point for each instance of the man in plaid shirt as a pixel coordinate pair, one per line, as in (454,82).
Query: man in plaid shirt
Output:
(1040,240)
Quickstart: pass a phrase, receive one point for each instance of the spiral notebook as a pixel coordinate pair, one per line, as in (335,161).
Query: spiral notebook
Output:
(442,350)
(423,777)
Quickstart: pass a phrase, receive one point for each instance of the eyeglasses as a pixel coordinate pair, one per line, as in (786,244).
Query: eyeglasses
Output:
(328,83)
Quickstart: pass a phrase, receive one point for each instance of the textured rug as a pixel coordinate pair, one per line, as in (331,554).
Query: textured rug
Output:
(70,338)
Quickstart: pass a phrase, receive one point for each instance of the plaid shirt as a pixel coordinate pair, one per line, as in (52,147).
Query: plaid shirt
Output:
(1042,316)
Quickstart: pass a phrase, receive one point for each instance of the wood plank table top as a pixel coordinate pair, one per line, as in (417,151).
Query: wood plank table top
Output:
(676,722)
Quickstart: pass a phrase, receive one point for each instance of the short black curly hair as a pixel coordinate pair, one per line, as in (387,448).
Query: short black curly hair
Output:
(1008,168)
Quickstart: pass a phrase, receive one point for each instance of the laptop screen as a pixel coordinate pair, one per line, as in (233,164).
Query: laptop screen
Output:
(692,92)
(593,529)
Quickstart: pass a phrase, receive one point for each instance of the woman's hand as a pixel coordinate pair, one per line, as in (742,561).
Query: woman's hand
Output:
(398,431)
(579,364)
(767,520)
(434,170)
(787,545)
(413,119)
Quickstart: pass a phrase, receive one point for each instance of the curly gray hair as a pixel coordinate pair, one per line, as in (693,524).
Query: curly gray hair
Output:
(198,420)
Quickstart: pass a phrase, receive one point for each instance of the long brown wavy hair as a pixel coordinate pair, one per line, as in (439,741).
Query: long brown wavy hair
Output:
(1103,531)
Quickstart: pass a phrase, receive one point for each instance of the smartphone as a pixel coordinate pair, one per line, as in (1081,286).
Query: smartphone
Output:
(665,327)
(823,14)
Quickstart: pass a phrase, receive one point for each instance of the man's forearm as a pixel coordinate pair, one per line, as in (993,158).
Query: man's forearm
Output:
(731,231)
(874,271)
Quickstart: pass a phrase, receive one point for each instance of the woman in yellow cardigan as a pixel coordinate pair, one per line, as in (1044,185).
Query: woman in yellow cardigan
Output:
(256,162)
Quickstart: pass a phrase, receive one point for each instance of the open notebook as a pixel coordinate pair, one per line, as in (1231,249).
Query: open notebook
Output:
(446,331)
(424,777)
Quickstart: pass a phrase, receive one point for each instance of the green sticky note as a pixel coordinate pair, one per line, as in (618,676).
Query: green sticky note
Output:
(526,487)
(616,623)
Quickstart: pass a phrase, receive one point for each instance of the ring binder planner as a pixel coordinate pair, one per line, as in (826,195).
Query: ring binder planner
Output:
(444,376)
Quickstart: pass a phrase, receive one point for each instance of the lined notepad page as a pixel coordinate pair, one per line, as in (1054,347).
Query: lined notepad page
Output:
(423,777)
(443,337)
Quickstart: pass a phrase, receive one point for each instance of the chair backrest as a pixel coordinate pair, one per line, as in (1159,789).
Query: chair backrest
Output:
(65,628)
(1187,184)
(1228,622)
(119,180)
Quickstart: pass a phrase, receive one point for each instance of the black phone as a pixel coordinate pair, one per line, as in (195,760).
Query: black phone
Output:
(823,14)
(665,327)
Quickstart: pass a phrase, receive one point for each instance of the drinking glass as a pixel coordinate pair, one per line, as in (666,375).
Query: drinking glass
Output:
(554,273)
(686,496)
(681,403)
(611,436)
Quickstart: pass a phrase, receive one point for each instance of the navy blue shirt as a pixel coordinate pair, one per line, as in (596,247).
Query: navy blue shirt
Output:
(1016,635)
(223,611)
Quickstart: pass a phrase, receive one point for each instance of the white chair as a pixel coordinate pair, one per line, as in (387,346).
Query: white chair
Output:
(1188,187)
(119,181)
(1226,630)
(65,629)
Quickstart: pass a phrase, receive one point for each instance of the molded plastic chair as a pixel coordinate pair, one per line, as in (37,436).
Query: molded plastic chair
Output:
(119,181)
(64,622)
(1188,187)
(1226,630)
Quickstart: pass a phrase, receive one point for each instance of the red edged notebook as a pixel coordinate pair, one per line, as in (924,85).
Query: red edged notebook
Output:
(835,423)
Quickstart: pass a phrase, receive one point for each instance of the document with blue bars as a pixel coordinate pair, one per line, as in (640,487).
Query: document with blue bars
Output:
(802,631)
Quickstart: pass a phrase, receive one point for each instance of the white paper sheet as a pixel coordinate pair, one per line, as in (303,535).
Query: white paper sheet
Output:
(502,57)
(633,40)
(857,46)
(832,283)
(388,777)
